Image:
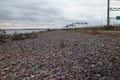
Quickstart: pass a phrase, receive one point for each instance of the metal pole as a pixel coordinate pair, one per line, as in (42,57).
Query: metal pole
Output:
(108,13)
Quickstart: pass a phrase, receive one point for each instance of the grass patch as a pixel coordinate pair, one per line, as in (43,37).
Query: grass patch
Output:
(112,31)
(95,32)
(18,37)
(7,37)
(2,36)
(24,36)
(111,34)
(2,39)
(62,44)
(106,28)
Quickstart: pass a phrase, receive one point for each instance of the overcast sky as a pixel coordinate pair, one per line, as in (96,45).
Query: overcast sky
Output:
(53,13)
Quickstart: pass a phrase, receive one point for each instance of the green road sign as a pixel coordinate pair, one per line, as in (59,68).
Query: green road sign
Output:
(117,17)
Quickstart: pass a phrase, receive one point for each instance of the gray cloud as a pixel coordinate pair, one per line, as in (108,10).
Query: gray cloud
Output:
(52,12)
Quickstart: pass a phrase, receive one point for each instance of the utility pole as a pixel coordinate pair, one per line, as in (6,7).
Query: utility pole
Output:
(108,13)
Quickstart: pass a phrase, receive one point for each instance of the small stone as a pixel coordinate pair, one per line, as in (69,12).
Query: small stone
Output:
(32,76)
(98,75)
(6,69)
(58,73)
(3,74)
(100,63)
(88,78)
(92,66)
(86,60)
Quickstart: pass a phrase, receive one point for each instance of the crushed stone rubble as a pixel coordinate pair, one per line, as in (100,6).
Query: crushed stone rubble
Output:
(61,55)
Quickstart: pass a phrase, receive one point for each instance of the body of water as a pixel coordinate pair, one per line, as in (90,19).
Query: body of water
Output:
(12,31)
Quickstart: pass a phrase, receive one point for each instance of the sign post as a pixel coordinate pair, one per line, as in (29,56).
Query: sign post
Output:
(108,12)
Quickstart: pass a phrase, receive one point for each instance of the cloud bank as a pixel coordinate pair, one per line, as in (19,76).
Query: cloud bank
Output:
(53,13)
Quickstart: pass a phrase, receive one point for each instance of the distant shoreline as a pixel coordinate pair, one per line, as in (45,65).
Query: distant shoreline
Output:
(29,30)
(25,29)
(32,29)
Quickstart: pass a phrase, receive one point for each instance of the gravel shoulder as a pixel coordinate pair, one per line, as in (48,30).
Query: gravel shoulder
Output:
(61,55)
